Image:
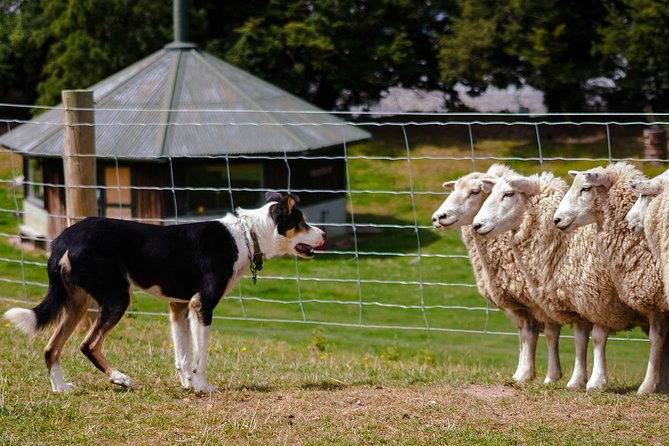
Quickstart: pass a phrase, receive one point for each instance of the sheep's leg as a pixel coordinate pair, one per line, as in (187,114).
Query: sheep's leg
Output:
(552,333)
(581,335)
(529,332)
(656,334)
(598,379)
(664,366)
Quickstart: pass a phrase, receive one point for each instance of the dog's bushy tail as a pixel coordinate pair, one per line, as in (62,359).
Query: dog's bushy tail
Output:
(46,312)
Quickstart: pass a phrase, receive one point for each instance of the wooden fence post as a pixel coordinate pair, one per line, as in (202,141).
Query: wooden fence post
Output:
(79,162)
(655,142)
(79,165)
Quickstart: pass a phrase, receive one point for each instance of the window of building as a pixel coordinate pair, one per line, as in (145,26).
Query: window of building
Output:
(35,180)
(214,196)
(118,195)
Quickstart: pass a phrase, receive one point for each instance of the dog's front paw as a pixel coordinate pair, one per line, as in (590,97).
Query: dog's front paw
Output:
(205,388)
(64,388)
(186,380)
(120,379)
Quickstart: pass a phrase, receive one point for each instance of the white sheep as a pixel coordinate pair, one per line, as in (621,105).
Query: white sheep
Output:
(497,275)
(603,196)
(564,271)
(646,190)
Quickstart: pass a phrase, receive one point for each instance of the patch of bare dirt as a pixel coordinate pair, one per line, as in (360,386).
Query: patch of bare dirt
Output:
(490,393)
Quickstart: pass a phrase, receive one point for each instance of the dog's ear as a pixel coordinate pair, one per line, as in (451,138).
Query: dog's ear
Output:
(290,201)
(272,196)
(284,207)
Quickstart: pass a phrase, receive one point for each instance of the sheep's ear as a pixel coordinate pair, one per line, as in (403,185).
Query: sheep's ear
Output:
(524,185)
(599,178)
(573,173)
(487,184)
(450,185)
(650,187)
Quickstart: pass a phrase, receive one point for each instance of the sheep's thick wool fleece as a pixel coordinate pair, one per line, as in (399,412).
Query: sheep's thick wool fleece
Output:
(572,280)
(635,270)
(656,227)
(498,277)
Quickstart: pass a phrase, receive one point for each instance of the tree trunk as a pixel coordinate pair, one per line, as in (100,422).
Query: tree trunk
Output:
(326,95)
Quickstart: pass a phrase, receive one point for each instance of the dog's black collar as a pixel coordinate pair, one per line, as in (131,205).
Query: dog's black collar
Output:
(255,256)
(256,260)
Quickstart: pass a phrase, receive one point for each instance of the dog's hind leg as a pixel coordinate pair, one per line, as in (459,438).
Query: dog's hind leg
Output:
(77,308)
(181,340)
(112,307)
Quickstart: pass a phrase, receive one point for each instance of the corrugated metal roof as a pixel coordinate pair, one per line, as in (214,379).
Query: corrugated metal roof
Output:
(181,77)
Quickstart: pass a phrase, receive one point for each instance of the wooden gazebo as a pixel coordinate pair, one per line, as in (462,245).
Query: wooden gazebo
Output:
(180,121)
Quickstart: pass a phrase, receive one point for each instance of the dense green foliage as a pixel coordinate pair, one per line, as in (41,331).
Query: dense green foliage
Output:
(339,53)
(545,43)
(636,40)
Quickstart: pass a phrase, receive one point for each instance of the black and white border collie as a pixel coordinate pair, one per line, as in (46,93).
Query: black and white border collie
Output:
(191,265)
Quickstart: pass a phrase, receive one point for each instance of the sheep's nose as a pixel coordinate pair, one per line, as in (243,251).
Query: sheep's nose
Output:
(477,226)
(434,219)
(557,220)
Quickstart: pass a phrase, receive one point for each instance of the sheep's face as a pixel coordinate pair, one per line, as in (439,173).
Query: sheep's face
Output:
(460,208)
(647,190)
(505,207)
(579,205)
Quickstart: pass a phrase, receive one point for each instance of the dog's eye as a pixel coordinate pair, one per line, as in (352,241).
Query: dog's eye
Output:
(509,194)
(475,192)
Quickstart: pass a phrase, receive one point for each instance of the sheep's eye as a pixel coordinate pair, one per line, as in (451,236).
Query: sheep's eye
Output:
(586,189)
(643,196)
(509,194)
(475,192)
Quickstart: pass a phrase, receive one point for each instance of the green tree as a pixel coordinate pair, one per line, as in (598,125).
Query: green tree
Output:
(20,59)
(79,42)
(635,45)
(333,52)
(543,43)
(337,53)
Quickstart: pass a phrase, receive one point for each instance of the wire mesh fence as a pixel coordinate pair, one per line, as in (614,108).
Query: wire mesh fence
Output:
(384,266)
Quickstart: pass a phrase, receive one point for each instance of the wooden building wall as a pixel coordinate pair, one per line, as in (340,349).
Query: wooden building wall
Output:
(54,196)
(151,205)
(154,206)
(317,174)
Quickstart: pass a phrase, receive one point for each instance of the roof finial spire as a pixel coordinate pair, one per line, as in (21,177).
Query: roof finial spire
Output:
(180,13)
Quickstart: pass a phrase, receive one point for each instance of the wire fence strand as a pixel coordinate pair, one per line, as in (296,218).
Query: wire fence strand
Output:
(387,268)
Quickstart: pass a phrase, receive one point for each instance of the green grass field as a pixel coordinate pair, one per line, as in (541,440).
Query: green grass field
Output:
(320,379)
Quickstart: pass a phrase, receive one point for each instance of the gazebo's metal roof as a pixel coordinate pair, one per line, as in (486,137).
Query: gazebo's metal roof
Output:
(196,86)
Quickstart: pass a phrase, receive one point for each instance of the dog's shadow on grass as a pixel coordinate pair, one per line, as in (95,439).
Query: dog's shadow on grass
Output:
(323,385)
(261,388)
